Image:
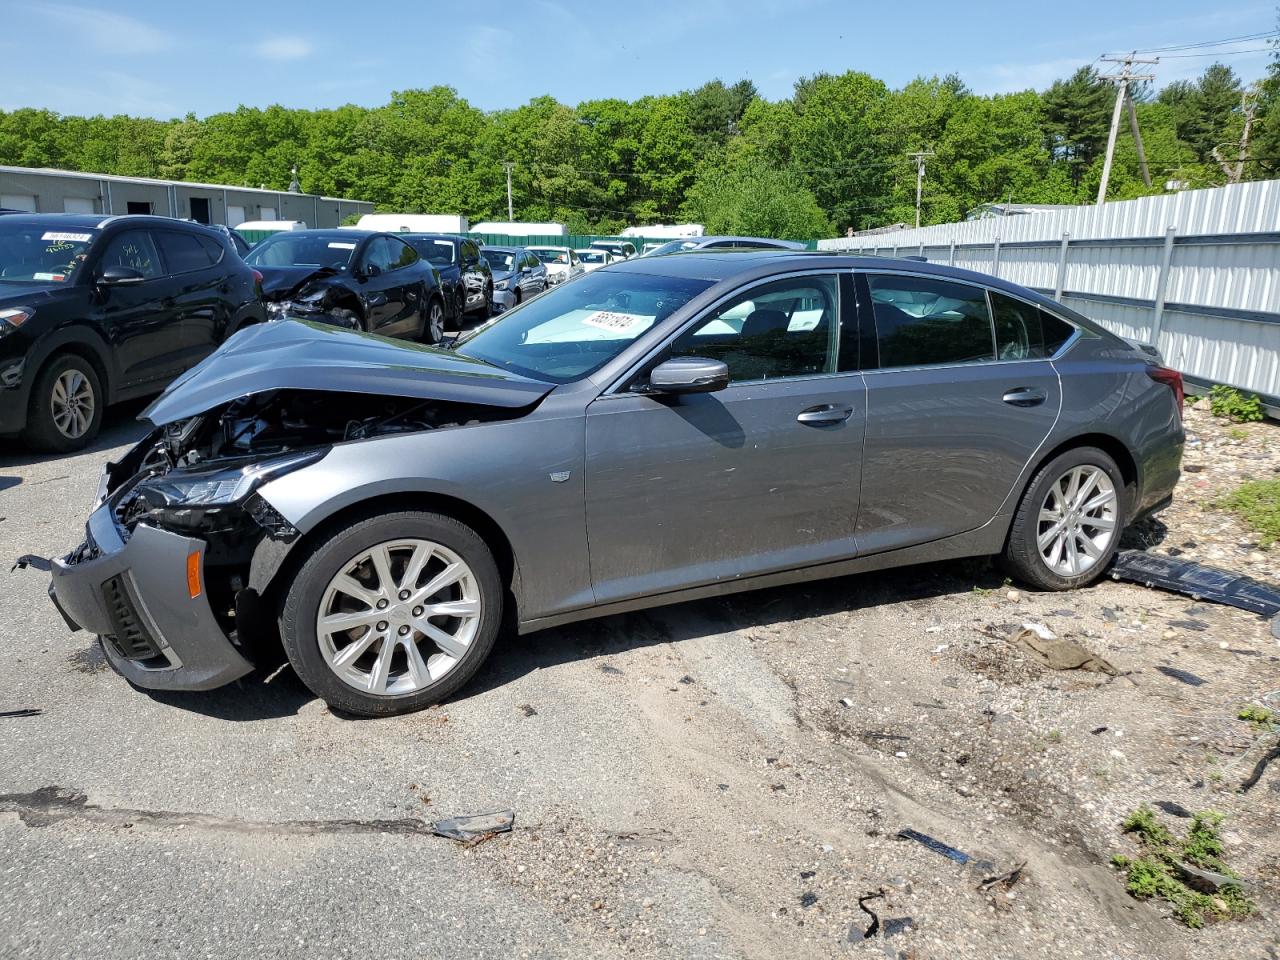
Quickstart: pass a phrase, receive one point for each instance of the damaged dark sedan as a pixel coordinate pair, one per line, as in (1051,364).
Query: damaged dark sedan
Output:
(351,278)
(660,430)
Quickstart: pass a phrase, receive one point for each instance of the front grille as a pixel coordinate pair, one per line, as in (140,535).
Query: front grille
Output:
(129,635)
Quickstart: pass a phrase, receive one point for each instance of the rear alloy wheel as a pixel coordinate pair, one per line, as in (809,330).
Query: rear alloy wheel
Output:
(433,332)
(1069,523)
(66,406)
(393,613)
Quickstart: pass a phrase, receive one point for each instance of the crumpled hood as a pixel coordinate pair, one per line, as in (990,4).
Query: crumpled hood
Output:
(279,283)
(297,355)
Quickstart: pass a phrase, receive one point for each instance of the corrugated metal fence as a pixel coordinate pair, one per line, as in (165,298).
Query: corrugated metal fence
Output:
(1196,273)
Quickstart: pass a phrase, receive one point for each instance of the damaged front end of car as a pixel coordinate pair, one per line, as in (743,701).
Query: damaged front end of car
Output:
(182,545)
(290,294)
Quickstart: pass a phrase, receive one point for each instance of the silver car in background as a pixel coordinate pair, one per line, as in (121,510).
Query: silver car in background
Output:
(562,263)
(662,429)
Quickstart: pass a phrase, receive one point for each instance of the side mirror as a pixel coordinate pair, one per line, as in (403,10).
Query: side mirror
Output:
(115,276)
(689,375)
(372,270)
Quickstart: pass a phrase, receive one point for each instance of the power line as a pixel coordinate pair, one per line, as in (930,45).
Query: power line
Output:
(1211,43)
(1122,79)
(1220,53)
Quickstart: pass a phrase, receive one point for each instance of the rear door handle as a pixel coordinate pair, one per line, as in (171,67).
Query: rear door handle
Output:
(825,413)
(1024,397)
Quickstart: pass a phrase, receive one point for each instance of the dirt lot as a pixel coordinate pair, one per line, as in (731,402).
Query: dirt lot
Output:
(719,779)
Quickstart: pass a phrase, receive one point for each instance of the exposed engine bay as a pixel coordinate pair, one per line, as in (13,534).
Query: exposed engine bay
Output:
(247,435)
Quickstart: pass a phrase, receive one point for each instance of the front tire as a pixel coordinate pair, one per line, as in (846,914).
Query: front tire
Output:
(433,327)
(392,613)
(65,411)
(1068,525)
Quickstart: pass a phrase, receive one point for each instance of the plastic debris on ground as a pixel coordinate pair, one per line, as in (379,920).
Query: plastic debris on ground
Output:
(472,830)
(1199,582)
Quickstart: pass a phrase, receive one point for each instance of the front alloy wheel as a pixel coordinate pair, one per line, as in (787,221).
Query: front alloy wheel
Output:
(392,612)
(399,617)
(72,404)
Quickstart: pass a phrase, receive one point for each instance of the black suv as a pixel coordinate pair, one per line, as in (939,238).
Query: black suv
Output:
(99,309)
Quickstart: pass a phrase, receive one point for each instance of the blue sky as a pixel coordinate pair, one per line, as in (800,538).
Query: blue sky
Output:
(165,59)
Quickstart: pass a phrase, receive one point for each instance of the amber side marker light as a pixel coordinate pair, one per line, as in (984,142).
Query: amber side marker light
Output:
(193,574)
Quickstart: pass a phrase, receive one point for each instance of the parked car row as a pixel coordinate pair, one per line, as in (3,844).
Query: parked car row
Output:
(99,309)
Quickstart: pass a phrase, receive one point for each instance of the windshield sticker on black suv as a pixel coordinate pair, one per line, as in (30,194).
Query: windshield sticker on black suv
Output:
(67,237)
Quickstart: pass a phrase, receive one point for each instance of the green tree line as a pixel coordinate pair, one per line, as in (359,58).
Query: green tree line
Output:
(832,156)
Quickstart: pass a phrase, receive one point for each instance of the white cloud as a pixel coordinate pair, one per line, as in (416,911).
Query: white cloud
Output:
(285,48)
(109,32)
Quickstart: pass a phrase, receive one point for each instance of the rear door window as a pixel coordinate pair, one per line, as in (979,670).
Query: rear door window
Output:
(1024,331)
(182,252)
(928,321)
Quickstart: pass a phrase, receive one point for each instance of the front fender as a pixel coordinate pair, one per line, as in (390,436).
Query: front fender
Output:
(525,475)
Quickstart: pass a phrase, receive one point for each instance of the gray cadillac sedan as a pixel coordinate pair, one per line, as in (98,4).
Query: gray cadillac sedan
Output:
(663,429)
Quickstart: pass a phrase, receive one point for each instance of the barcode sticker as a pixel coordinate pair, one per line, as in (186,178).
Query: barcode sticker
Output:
(341,245)
(70,237)
(617,322)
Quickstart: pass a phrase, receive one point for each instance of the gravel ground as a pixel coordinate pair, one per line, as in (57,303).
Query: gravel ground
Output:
(718,779)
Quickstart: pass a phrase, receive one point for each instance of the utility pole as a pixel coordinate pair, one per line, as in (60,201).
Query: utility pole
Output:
(510,211)
(1122,80)
(919,158)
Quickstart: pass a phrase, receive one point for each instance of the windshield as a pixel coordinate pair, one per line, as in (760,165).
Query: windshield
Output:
(673,246)
(574,329)
(498,260)
(36,253)
(550,254)
(439,253)
(592,256)
(303,250)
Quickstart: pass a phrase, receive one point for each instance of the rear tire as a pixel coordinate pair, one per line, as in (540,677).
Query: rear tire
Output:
(65,410)
(316,591)
(1068,525)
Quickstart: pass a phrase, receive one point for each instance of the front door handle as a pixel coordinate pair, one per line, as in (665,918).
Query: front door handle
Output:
(825,413)
(1024,397)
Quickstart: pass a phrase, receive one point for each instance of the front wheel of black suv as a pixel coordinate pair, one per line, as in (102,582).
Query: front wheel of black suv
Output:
(65,411)
(392,613)
(1068,525)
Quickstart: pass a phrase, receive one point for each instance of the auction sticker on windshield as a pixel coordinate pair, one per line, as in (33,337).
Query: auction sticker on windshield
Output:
(68,237)
(617,322)
(341,245)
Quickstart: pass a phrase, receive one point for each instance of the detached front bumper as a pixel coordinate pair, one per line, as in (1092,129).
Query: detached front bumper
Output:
(137,595)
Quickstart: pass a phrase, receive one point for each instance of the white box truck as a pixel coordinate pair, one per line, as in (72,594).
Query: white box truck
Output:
(522,229)
(413,223)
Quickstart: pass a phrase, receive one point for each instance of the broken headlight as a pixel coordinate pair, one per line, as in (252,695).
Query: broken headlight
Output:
(178,494)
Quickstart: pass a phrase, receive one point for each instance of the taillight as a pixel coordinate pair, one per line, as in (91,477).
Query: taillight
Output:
(1171,379)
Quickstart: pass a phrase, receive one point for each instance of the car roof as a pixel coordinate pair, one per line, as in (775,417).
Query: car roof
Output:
(417,235)
(96,221)
(752,264)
